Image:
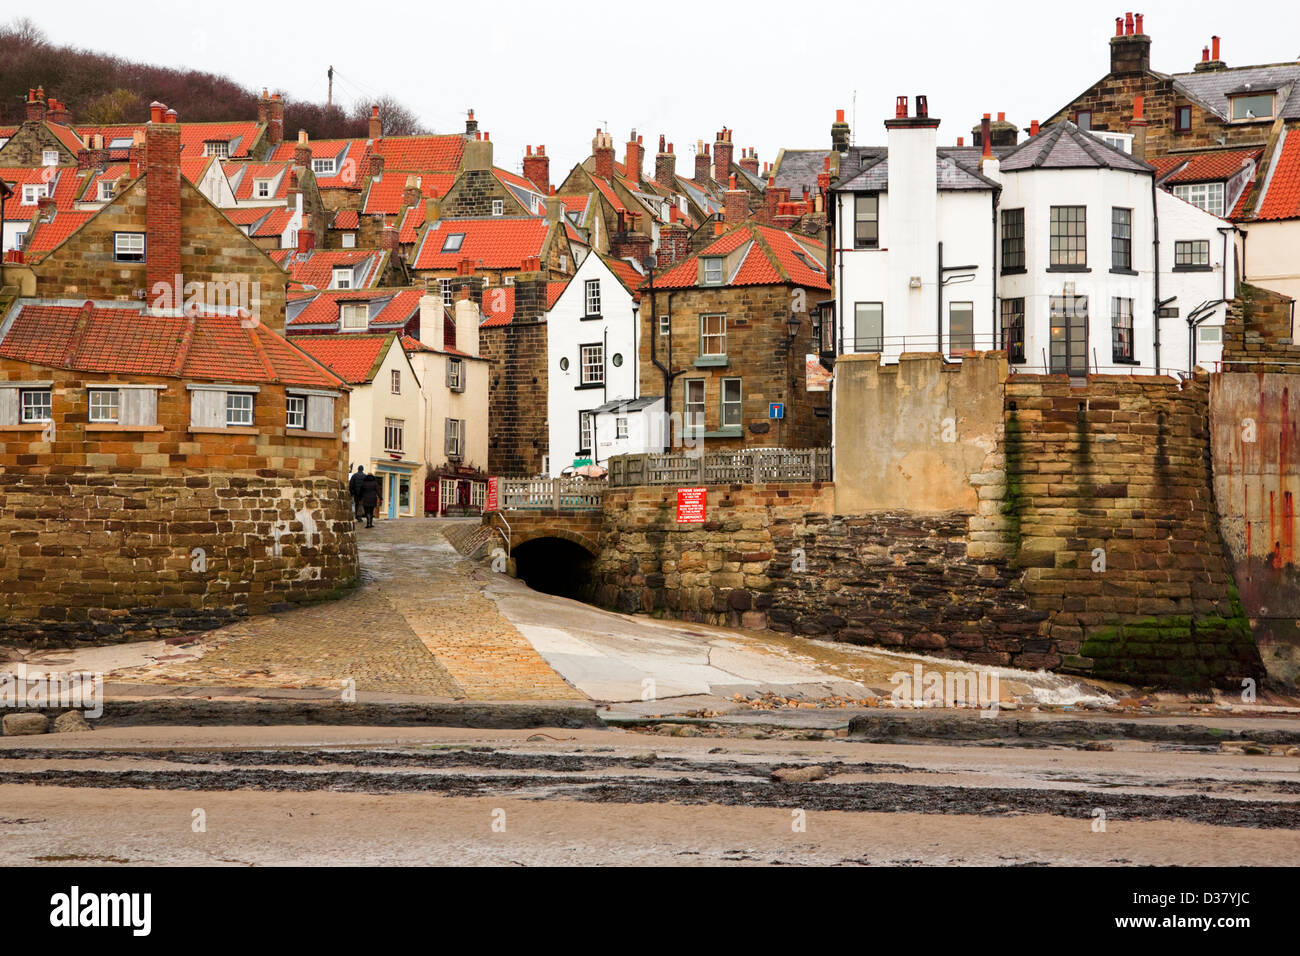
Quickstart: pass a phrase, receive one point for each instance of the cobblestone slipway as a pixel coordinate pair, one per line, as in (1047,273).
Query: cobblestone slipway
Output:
(419,624)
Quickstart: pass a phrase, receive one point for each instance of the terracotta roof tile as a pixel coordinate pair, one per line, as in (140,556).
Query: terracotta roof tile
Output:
(43,238)
(353,357)
(132,342)
(412,220)
(501,242)
(240,135)
(421,153)
(316,267)
(346,219)
(1211,167)
(774,257)
(384,196)
(1281,200)
(399,305)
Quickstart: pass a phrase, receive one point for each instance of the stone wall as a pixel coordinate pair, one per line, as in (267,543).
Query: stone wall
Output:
(517,438)
(110,558)
(1255,418)
(1257,332)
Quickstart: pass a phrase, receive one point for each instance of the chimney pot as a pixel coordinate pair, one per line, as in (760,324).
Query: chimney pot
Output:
(1214,53)
(1033,128)
(1128,24)
(1002,117)
(1138,26)
(1205,54)
(839,116)
(922,107)
(1119,26)
(961,141)
(900,107)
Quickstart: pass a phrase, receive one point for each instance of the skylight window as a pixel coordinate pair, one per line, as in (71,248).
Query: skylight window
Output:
(453,241)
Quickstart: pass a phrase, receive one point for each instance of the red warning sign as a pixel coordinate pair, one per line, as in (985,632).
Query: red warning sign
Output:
(690,504)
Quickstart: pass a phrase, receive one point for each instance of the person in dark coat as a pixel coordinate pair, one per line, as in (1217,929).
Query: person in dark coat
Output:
(370,497)
(354,489)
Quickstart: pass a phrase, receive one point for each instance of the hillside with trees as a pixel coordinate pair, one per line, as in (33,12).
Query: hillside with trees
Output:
(99,88)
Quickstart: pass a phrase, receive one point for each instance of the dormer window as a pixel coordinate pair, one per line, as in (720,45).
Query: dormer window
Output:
(34,192)
(49,157)
(217,147)
(453,241)
(354,316)
(323,167)
(105,190)
(342,279)
(1252,106)
(262,188)
(712,270)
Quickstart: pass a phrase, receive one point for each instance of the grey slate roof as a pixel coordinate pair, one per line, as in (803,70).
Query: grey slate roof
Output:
(800,168)
(629,404)
(1065,146)
(874,174)
(1213,86)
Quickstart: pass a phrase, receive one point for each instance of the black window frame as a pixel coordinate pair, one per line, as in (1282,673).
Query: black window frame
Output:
(1187,252)
(1013,241)
(1067,239)
(1122,349)
(1012,329)
(872,242)
(1121,243)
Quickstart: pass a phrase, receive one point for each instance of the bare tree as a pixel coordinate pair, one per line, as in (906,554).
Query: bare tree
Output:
(398,120)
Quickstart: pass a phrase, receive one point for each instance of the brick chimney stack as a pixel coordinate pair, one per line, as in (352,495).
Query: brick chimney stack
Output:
(471,125)
(722,155)
(703,164)
(263,108)
(749,161)
(302,151)
(58,113)
(735,203)
(665,165)
(466,281)
(478,153)
(1130,47)
(36,105)
(163,206)
(276,113)
(674,243)
(388,236)
(537,169)
(530,292)
(602,148)
(1210,60)
(411,194)
(633,158)
(376,130)
(839,133)
(1138,127)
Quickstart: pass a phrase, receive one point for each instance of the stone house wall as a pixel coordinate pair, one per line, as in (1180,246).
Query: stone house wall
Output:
(517,384)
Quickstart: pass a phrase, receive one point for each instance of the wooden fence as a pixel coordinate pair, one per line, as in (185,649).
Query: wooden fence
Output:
(744,466)
(550,494)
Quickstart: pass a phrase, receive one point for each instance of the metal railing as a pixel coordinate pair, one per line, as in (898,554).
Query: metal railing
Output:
(550,494)
(739,467)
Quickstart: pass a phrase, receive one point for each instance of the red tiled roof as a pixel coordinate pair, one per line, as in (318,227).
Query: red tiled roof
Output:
(626,274)
(247,215)
(1239,211)
(1212,167)
(348,174)
(501,242)
(498,307)
(67,136)
(316,267)
(421,153)
(1281,199)
(111,173)
(324,306)
(412,220)
(243,175)
(353,357)
(44,237)
(608,192)
(193,168)
(773,258)
(346,219)
(384,196)
(411,344)
(130,342)
(275,224)
(554,290)
(575,203)
(193,135)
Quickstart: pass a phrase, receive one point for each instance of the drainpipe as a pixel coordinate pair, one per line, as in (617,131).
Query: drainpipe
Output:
(1155,243)
(839,284)
(993,269)
(938,298)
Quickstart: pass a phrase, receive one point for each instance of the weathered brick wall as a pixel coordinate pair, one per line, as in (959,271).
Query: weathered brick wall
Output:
(26,146)
(110,558)
(212,250)
(517,439)
(472,195)
(717,571)
(1257,333)
(756,353)
(1119,470)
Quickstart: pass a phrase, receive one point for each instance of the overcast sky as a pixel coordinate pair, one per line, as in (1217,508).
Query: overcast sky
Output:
(773,72)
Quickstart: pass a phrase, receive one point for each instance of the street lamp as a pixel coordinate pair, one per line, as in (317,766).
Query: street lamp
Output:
(792,330)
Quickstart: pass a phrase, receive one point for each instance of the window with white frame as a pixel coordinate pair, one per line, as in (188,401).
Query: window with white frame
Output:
(447,497)
(105,405)
(712,270)
(593,297)
(498,207)
(586,431)
(217,147)
(665,324)
(239,409)
(866,221)
(295,411)
(36,405)
(128,246)
(694,410)
(342,279)
(262,188)
(349,240)
(395,382)
(869,327)
(1068,237)
(1252,106)
(1121,141)
(20,239)
(49,157)
(323,166)
(34,192)
(456,374)
(354,316)
(1207,196)
(478,493)
(713,335)
(731,404)
(620,426)
(454,437)
(593,364)
(106,188)
(393,429)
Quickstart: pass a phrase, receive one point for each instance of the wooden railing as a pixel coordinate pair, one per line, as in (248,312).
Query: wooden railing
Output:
(550,494)
(744,466)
